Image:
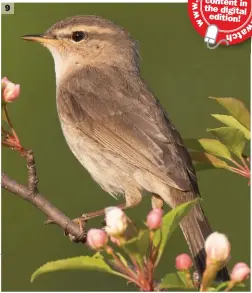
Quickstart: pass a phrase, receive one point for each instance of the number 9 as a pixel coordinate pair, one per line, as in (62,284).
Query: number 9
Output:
(7,7)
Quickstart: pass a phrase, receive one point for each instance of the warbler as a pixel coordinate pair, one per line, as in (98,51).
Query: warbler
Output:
(116,127)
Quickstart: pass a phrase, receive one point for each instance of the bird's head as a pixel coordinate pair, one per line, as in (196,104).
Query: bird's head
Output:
(88,41)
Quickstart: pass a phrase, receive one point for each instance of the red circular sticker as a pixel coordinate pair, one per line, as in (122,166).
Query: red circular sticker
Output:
(222,21)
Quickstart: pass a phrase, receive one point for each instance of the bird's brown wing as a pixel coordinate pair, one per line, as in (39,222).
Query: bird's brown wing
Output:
(130,122)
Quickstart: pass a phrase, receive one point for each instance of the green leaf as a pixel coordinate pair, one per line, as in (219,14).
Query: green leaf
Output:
(232,122)
(221,286)
(233,139)
(138,246)
(169,224)
(236,108)
(204,158)
(208,145)
(174,281)
(75,263)
(240,285)
(211,289)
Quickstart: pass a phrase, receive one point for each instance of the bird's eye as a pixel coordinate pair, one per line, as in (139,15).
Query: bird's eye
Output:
(78,36)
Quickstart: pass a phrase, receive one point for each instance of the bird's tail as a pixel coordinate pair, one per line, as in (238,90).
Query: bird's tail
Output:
(196,229)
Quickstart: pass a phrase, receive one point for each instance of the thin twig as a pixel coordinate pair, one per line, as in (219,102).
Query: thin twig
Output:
(11,144)
(45,206)
(4,131)
(238,165)
(127,271)
(30,193)
(32,173)
(240,172)
(151,260)
(245,164)
(10,124)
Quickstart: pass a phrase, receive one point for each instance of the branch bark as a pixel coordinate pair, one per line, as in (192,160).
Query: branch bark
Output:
(32,173)
(40,202)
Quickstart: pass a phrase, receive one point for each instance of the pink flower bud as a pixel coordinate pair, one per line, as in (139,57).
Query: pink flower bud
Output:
(116,221)
(217,247)
(96,238)
(154,219)
(10,90)
(240,272)
(183,262)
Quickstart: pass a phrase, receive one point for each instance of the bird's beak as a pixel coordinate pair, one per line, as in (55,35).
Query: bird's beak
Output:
(43,39)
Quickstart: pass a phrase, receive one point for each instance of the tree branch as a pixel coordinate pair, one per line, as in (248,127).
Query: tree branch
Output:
(32,173)
(40,202)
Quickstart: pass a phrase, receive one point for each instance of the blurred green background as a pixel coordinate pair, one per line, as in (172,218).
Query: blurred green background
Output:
(181,71)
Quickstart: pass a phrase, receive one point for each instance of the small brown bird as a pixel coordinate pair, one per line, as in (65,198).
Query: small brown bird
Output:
(114,124)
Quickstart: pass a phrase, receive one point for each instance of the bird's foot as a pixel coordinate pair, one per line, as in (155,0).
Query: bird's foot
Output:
(82,222)
(82,225)
(196,279)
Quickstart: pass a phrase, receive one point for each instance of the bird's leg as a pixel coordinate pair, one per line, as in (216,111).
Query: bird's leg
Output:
(156,202)
(91,215)
(133,198)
